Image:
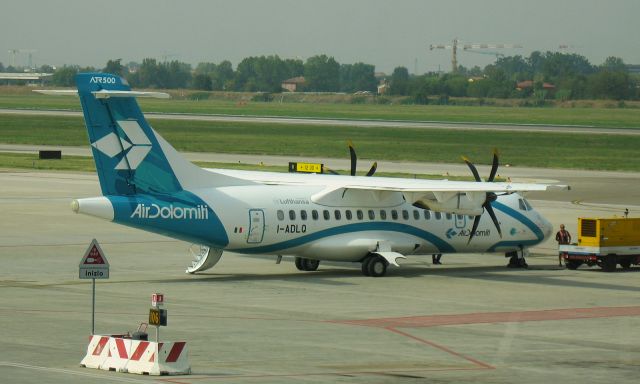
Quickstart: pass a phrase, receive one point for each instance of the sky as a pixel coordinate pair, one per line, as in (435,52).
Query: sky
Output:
(384,33)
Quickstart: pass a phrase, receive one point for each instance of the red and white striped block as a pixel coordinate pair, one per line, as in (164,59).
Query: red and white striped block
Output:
(137,356)
(97,352)
(159,358)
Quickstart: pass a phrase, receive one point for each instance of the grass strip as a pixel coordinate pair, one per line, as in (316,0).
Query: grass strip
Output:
(599,116)
(533,149)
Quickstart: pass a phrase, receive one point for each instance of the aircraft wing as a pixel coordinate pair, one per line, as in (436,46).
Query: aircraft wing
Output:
(460,197)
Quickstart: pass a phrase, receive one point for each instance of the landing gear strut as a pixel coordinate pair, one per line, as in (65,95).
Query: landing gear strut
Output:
(516,259)
(374,265)
(308,265)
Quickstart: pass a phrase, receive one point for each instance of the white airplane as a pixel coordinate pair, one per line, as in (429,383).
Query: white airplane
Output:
(374,221)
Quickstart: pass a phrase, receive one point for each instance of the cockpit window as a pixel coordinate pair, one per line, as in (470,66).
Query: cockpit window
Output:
(524,205)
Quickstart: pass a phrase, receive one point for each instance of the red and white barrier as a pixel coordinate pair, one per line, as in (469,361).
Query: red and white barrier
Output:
(122,354)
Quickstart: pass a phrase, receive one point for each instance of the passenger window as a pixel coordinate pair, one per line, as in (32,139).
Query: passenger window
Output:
(448,215)
(383,214)
(372,214)
(416,215)
(337,214)
(394,214)
(405,214)
(347,214)
(326,214)
(280,215)
(438,215)
(292,214)
(427,215)
(460,217)
(303,215)
(314,214)
(359,214)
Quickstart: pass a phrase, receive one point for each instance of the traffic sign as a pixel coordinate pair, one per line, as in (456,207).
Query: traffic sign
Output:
(157,299)
(94,264)
(158,317)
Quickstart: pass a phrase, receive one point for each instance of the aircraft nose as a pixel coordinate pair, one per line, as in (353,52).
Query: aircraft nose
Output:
(546,227)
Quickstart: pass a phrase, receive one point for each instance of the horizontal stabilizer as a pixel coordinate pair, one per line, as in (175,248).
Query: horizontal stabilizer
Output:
(104,93)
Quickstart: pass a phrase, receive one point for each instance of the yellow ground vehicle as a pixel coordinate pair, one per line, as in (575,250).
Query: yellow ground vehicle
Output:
(604,242)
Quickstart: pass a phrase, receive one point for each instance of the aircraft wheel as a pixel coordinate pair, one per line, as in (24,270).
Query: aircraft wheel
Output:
(300,264)
(625,264)
(310,264)
(377,266)
(365,265)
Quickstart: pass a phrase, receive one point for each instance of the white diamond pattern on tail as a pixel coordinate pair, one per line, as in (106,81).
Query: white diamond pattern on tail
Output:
(136,145)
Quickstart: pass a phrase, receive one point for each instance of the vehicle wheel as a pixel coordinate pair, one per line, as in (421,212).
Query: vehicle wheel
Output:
(625,264)
(300,264)
(310,264)
(377,266)
(365,265)
(609,263)
(573,264)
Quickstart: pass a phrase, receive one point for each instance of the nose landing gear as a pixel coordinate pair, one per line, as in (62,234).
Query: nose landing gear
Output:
(517,258)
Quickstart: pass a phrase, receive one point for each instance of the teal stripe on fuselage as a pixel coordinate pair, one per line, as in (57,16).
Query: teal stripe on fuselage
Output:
(442,245)
(521,219)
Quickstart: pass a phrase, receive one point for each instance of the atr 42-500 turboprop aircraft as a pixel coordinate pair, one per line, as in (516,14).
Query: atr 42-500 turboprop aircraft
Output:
(374,221)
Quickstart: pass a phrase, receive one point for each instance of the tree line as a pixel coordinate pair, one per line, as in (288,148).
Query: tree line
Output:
(550,75)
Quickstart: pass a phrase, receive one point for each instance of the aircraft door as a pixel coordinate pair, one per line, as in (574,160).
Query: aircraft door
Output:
(461,221)
(256,226)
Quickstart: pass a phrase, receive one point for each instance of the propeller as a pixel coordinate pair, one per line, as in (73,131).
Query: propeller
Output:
(354,161)
(491,196)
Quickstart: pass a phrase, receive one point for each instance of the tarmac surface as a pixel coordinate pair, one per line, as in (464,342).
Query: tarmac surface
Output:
(250,320)
(365,123)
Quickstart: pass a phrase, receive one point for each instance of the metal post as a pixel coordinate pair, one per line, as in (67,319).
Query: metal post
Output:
(157,333)
(93,308)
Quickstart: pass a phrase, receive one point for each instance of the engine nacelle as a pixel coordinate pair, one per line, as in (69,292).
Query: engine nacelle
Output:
(466,203)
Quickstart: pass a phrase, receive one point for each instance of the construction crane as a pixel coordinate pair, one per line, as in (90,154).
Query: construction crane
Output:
(471,48)
(14,52)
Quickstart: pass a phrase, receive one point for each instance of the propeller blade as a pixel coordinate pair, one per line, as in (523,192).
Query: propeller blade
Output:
(354,158)
(373,169)
(476,222)
(472,168)
(494,165)
(488,208)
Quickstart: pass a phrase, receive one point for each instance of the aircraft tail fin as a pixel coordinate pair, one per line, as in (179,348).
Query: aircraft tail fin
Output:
(130,156)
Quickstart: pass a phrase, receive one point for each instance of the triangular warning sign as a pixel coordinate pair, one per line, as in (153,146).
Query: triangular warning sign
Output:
(94,256)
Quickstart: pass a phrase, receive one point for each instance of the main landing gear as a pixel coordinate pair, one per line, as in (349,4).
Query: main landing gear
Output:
(304,264)
(374,265)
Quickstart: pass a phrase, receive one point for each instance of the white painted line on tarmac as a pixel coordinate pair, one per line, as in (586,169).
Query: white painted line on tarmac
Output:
(71,372)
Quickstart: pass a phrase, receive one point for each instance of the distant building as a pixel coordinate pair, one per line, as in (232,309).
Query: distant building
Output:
(293,84)
(380,75)
(383,88)
(25,77)
(633,68)
(529,84)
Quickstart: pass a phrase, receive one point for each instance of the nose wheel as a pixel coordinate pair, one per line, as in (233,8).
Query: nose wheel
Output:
(374,265)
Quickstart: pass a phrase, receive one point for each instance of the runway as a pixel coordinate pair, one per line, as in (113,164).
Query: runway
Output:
(364,123)
(249,320)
